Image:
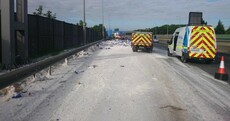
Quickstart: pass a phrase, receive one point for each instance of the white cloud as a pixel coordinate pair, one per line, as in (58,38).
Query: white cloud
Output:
(133,14)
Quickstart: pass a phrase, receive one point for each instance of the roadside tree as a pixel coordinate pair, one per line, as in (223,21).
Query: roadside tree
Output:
(227,31)
(220,28)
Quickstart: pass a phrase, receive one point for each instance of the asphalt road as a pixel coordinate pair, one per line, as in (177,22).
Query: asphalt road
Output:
(209,68)
(115,84)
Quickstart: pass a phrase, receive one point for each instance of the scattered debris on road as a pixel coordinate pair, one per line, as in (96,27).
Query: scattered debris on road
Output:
(108,88)
(173,108)
(91,67)
(3,92)
(17,95)
(41,78)
(17,88)
(78,72)
(79,83)
(113,43)
(62,82)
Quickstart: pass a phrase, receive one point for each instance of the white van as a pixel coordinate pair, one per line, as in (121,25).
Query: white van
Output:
(193,42)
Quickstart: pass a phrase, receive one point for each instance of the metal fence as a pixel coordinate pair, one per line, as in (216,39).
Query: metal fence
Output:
(48,35)
(0,41)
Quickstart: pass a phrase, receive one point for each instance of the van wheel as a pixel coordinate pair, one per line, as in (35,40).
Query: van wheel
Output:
(183,59)
(135,48)
(169,54)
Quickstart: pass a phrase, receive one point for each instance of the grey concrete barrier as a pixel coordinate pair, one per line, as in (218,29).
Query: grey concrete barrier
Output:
(23,72)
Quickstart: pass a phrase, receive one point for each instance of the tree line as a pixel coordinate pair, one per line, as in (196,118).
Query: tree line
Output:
(48,14)
(219,29)
(97,28)
(169,29)
(51,15)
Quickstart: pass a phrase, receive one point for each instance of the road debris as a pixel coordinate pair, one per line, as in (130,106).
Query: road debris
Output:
(173,108)
(62,82)
(91,67)
(79,83)
(97,44)
(41,78)
(83,53)
(4,92)
(78,72)
(17,88)
(115,82)
(17,95)
(24,91)
(19,105)
(114,43)
(30,94)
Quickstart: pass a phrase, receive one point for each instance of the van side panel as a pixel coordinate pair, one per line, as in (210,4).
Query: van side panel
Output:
(202,42)
(186,40)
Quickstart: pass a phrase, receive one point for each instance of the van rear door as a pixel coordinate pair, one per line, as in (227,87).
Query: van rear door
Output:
(202,42)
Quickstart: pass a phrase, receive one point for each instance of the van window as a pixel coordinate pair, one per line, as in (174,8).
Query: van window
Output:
(170,41)
(175,41)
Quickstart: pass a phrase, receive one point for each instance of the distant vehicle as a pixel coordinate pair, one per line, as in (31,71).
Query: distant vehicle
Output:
(155,39)
(193,42)
(118,35)
(109,34)
(142,40)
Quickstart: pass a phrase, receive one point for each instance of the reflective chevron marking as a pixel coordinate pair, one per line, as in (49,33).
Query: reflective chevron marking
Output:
(142,39)
(202,40)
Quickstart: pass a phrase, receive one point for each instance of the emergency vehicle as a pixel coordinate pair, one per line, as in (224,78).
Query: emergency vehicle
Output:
(193,42)
(142,40)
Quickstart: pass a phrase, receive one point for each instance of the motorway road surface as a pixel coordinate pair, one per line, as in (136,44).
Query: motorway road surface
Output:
(209,68)
(116,84)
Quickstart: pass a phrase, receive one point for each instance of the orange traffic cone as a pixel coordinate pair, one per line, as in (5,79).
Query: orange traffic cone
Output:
(221,74)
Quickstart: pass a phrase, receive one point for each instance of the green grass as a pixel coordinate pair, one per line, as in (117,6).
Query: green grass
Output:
(223,36)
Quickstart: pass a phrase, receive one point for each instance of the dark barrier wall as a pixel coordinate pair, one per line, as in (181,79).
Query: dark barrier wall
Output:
(48,35)
(0,40)
(58,35)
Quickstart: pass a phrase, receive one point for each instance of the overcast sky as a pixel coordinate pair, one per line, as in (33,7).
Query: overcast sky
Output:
(135,14)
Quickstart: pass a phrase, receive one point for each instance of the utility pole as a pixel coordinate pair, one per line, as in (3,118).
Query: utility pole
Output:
(103,31)
(84,23)
(167,30)
(155,30)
